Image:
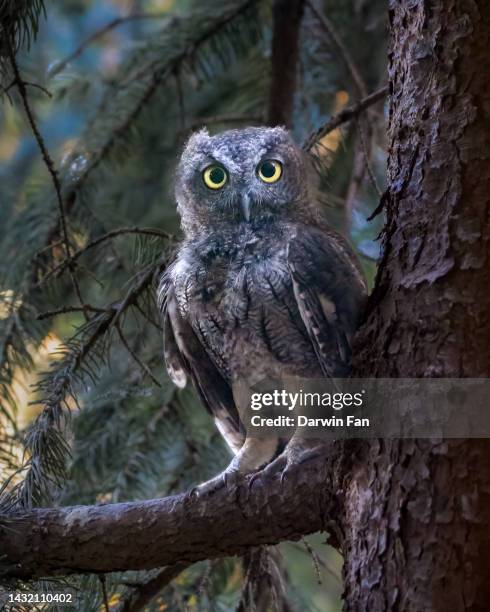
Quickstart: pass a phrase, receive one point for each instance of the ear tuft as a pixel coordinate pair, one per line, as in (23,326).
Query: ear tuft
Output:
(197,138)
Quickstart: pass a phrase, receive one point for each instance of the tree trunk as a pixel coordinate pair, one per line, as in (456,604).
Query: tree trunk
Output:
(417,523)
(284,61)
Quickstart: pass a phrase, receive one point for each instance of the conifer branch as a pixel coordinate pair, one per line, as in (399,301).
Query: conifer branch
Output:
(45,445)
(48,161)
(344,53)
(195,33)
(28,84)
(114,23)
(347,114)
(19,24)
(161,72)
(367,159)
(177,529)
(144,231)
(141,595)
(68,309)
(141,364)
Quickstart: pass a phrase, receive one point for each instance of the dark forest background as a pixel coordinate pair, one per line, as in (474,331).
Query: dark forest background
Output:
(97,100)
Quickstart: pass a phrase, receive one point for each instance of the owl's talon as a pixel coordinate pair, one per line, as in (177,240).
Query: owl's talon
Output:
(254,477)
(283,475)
(191,495)
(229,479)
(270,469)
(293,455)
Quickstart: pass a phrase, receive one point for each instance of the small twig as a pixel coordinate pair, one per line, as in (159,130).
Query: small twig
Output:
(104,592)
(202,586)
(21,86)
(367,159)
(314,558)
(143,594)
(141,364)
(361,158)
(247,593)
(29,84)
(101,32)
(379,208)
(148,318)
(401,185)
(355,182)
(48,161)
(345,115)
(67,309)
(48,247)
(329,28)
(148,231)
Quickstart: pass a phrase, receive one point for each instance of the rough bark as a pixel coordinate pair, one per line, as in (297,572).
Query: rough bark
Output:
(287,16)
(150,534)
(418,512)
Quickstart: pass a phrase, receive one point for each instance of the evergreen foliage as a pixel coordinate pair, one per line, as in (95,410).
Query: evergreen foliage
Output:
(87,413)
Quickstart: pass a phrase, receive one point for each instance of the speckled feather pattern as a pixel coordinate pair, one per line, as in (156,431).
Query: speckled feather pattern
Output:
(279,294)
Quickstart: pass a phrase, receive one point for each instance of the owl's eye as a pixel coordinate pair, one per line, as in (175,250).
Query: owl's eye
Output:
(214,177)
(270,171)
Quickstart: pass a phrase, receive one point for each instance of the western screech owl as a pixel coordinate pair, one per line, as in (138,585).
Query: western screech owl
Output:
(260,286)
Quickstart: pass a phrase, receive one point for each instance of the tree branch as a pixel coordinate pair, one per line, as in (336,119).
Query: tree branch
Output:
(48,161)
(345,115)
(54,388)
(142,595)
(68,309)
(144,231)
(29,84)
(146,370)
(177,529)
(329,28)
(101,32)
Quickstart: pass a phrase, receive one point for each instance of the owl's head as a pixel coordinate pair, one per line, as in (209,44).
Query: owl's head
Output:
(253,175)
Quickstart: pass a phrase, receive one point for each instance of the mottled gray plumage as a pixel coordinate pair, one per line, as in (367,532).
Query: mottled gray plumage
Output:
(260,286)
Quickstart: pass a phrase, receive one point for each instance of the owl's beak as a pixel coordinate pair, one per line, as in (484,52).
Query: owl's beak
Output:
(246,206)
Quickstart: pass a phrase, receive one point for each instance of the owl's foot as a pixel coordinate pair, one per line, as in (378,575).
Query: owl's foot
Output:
(229,479)
(298,451)
(254,454)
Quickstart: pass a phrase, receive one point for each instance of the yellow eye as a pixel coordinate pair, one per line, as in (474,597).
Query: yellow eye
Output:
(270,171)
(214,177)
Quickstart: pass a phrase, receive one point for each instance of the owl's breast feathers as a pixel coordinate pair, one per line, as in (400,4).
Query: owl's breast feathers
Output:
(246,304)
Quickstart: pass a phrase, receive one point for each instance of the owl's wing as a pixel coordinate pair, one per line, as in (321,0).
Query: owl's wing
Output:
(330,292)
(186,357)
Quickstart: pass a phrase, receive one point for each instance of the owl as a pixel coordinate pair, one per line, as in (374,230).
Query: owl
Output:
(260,287)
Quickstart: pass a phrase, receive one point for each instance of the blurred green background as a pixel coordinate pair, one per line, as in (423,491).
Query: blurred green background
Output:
(88,414)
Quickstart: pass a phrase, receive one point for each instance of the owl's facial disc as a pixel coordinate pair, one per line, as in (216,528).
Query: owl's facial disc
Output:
(254,175)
